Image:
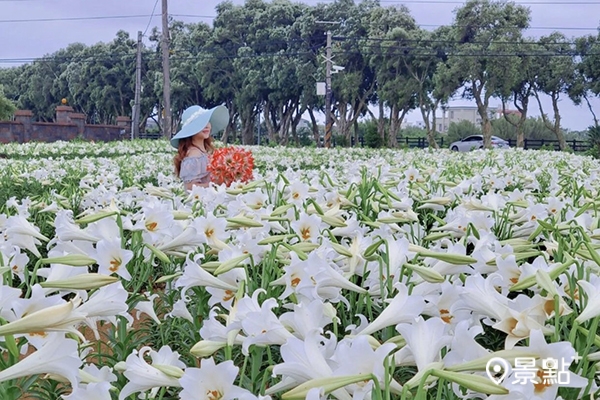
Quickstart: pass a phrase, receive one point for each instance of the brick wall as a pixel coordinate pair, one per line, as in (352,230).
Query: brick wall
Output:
(69,126)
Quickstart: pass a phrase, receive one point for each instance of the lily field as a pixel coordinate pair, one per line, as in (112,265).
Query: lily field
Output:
(344,273)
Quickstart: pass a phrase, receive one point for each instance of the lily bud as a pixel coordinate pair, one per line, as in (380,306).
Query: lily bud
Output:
(456,259)
(281,209)
(428,274)
(545,282)
(95,217)
(274,239)
(329,385)
(206,348)
(56,318)
(230,264)
(336,222)
(81,282)
(74,260)
(341,250)
(236,222)
(169,370)
(121,366)
(158,253)
(477,383)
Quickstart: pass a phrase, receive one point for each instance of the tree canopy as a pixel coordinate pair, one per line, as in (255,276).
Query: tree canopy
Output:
(263,59)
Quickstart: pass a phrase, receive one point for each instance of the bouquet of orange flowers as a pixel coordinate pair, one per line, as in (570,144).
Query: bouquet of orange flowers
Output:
(230,164)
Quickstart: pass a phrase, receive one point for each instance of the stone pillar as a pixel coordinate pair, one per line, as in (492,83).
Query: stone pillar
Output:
(25,117)
(79,120)
(125,124)
(63,114)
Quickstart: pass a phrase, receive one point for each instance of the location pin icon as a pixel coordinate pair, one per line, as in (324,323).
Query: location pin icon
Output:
(497,366)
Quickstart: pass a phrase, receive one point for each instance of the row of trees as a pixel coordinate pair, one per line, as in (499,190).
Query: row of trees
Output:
(264,58)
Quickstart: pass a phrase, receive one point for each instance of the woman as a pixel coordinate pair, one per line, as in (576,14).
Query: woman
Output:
(194,143)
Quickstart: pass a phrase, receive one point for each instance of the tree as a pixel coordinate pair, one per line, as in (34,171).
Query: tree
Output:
(518,87)
(354,88)
(287,67)
(7,108)
(425,63)
(587,78)
(485,33)
(394,86)
(556,77)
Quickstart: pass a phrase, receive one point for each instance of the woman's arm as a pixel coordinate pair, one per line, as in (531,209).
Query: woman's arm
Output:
(190,185)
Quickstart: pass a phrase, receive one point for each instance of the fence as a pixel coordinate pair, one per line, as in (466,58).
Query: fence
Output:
(421,142)
(529,144)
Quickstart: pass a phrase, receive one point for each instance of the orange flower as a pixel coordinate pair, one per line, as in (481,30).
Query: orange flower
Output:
(229,164)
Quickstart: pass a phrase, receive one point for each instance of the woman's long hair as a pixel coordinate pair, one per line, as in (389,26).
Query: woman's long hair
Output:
(184,146)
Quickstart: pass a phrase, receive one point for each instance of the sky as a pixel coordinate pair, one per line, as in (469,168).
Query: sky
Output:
(34,28)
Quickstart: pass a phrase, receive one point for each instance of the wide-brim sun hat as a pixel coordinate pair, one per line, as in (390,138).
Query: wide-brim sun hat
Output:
(195,118)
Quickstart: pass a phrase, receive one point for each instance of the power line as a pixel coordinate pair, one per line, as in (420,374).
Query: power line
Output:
(100,17)
(151,16)
(413,53)
(525,3)
(549,28)
(356,39)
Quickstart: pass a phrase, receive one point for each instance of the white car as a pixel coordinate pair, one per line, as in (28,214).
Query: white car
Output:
(476,142)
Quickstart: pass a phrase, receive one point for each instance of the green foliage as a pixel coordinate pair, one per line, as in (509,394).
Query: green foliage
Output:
(7,108)
(340,140)
(462,129)
(594,140)
(372,137)
(413,132)
(533,128)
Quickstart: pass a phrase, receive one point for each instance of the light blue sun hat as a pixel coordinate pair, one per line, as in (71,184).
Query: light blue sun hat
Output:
(195,118)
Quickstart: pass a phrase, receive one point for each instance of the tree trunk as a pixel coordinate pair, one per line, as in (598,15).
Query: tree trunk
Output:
(343,127)
(315,128)
(344,122)
(284,127)
(296,120)
(381,122)
(520,124)
(562,143)
(482,110)
(426,110)
(392,141)
(591,110)
(271,131)
(555,126)
(431,132)
(247,121)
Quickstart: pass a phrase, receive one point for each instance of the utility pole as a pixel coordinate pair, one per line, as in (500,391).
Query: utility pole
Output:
(166,72)
(135,123)
(328,119)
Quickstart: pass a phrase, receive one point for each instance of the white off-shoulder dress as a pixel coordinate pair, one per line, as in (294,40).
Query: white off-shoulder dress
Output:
(194,169)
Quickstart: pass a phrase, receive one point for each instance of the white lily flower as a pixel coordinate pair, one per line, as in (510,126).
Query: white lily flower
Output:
(308,227)
(402,308)
(143,376)
(212,381)
(58,356)
(112,258)
(424,342)
(592,290)
(92,391)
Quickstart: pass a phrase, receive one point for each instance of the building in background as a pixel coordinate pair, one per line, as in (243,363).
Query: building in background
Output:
(465,113)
